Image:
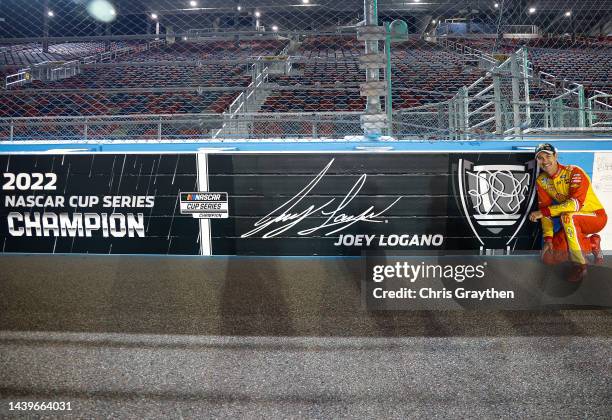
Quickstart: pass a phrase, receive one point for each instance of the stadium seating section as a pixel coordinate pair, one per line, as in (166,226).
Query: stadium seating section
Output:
(584,61)
(176,84)
(324,77)
(27,54)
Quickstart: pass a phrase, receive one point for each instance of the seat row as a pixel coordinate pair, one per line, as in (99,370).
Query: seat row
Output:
(74,104)
(22,55)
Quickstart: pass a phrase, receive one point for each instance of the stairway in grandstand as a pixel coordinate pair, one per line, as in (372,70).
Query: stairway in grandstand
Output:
(588,65)
(554,70)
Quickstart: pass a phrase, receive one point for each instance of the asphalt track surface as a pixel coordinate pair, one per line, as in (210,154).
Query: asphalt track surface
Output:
(145,337)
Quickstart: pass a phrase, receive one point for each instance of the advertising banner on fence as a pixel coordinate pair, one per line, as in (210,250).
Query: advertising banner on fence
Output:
(267,204)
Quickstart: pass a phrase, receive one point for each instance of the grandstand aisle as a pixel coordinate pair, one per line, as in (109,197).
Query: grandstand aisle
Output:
(186,337)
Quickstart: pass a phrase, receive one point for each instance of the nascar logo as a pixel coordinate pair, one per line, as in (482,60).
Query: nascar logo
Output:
(204,197)
(205,205)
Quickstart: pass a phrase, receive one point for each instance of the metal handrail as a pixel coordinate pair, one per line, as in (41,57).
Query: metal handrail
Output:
(70,65)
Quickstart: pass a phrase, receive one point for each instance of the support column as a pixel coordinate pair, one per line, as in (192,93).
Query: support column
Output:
(45,42)
(371,47)
(374,122)
(462,113)
(581,107)
(466,112)
(525,58)
(107,32)
(499,122)
(389,97)
(516,94)
(451,120)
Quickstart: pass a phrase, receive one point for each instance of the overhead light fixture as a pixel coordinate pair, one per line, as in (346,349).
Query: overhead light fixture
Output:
(274,28)
(101,10)
(154,16)
(239,8)
(433,21)
(532,10)
(496,5)
(193,3)
(257,13)
(305,1)
(50,13)
(184,38)
(568,13)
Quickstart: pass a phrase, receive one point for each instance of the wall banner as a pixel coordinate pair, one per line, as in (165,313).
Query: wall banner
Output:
(267,203)
(345,203)
(97,203)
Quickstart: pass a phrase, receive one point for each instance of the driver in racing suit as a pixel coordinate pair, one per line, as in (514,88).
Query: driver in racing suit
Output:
(565,191)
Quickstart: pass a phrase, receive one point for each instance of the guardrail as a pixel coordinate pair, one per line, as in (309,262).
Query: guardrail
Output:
(231,124)
(521,29)
(22,76)
(188,127)
(121,52)
(71,68)
(484,57)
(599,109)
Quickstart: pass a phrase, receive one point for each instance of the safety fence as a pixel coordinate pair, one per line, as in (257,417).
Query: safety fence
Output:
(449,69)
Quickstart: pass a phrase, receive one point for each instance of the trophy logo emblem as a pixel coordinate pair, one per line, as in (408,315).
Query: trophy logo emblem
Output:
(496,199)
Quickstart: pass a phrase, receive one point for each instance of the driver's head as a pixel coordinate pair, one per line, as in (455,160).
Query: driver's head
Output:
(546,156)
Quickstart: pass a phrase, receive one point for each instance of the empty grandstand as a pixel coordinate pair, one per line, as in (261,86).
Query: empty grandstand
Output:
(164,69)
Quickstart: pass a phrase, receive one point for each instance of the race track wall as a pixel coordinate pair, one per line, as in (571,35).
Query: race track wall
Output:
(298,203)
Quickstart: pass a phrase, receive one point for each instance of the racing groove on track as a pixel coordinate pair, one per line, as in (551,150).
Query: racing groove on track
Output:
(186,337)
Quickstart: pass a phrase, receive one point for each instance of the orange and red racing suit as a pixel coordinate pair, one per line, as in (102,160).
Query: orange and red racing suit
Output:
(569,195)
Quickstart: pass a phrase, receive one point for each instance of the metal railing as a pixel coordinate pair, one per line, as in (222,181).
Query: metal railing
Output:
(50,70)
(119,53)
(22,76)
(485,59)
(599,109)
(521,29)
(232,121)
(165,127)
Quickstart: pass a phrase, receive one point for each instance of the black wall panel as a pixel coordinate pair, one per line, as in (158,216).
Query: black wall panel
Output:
(162,176)
(421,191)
(425,184)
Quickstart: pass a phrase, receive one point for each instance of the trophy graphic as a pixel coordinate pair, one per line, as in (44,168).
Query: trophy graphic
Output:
(496,200)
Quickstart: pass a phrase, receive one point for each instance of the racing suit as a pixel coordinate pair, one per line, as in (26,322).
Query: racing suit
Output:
(569,195)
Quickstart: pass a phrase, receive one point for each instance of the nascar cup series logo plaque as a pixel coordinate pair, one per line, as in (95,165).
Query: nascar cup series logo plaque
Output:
(204,205)
(495,199)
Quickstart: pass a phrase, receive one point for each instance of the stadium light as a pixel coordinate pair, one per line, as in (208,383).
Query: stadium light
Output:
(532,10)
(102,10)
(239,8)
(257,13)
(496,5)
(274,28)
(50,13)
(154,16)
(568,13)
(193,3)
